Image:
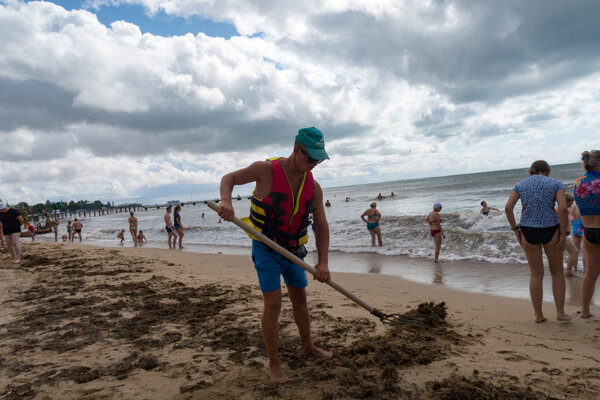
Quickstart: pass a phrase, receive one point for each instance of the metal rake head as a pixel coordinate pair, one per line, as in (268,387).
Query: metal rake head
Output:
(399,319)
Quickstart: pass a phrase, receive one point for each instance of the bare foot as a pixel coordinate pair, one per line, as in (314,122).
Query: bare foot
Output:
(540,319)
(568,273)
(318,353)
(563,317)
(277,374)
(586,314)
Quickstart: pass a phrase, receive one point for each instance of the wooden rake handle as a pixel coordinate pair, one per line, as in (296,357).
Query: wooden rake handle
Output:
(301,263)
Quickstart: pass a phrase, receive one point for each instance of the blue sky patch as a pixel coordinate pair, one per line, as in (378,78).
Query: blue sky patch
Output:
(159,24)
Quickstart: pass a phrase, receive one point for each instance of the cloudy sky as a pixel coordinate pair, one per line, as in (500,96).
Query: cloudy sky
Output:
(150,100)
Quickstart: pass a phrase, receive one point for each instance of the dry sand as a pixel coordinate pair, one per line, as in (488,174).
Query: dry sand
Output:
(84,322)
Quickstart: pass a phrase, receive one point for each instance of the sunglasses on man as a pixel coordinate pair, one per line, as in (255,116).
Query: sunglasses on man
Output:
(309,159)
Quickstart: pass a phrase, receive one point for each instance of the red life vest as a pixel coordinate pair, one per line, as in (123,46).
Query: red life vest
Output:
(280,216)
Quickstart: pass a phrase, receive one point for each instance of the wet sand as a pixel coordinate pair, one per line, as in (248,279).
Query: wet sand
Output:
(89,322)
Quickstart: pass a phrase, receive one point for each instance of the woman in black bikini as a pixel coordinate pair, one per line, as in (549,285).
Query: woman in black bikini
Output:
(541,227)
(587,197)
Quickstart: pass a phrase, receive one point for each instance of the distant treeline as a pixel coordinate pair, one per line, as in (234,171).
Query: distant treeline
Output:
(50,206)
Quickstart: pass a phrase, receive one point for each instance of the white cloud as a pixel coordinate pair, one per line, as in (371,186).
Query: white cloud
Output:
(394,85)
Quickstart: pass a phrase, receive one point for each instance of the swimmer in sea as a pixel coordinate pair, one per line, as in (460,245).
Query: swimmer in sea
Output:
(373,216)
(485,210)
(435,228)
(327,204)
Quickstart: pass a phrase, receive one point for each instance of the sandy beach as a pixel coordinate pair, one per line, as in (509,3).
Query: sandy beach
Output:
(87,322)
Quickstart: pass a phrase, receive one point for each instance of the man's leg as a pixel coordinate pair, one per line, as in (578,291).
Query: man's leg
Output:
(270,330)
(302,318)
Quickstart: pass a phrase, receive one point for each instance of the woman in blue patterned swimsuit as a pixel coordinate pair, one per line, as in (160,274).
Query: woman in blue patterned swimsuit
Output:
(541,227)
(587,197)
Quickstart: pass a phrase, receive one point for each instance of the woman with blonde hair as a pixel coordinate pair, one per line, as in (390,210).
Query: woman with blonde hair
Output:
(587,197)
(541,228)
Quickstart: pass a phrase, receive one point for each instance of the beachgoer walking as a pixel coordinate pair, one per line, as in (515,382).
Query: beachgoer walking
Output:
(284,195)
(569,245)
(121,235)
(177,226)
(485,210)
(577,231)
(172,235)
(77,227)
(11,221)
(587,196)
(541,227)
(133,222)
(435,229)
(70,231)
(373,216)
(141,238)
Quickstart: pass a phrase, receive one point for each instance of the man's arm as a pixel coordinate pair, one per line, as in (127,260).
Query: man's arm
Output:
(255,172)
(321,235)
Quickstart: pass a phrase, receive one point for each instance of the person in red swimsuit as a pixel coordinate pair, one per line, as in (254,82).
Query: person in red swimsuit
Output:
(435,228)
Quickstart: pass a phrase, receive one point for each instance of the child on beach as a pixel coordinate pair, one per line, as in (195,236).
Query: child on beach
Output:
(121,235)
(435,228)
(141,238)
(31,232)
(569,245)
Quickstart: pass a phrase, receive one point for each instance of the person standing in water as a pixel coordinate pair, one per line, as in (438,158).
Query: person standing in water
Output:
(177,226)
(435,229)
(133,222)
(569,245)
(284,196)
(373,216)
(541,229)
(587,196)
(172,236)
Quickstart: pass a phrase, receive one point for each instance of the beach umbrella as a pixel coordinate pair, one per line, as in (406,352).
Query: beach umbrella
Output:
(391,319)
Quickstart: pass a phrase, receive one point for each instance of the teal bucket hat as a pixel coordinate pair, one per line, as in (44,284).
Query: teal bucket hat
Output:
(312,139)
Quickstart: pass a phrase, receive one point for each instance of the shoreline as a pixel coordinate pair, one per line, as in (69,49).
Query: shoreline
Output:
(498,279)
(103,322)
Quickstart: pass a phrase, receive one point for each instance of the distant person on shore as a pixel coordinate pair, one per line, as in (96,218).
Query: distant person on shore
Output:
(133,223)
(77,227)
(285,193)
(435,229)
(373,216)
(177,226)
(11,221)
(55,229)
(121,235)
(31,230)
(327,204)
(569,245)
(70,231)
(541,227)
(172,236)
(485,210)
(587,196)
(141,238)
(577,231)
(202,215)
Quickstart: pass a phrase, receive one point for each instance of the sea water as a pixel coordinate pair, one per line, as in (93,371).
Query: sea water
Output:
(479,254)
(469,236)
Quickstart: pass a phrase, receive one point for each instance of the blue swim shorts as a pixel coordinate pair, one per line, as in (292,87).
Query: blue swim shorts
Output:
(270,265)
